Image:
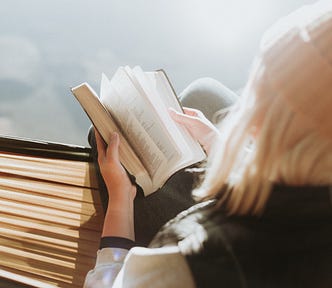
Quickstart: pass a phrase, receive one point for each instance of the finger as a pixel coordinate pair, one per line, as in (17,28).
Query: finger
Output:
(183,119)
(194,112)
(113,147)
(101,146)
(191,111)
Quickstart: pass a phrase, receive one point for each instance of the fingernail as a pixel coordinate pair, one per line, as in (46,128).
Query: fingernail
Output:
(114,136)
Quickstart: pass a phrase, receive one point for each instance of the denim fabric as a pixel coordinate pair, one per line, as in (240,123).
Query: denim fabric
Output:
(207,95)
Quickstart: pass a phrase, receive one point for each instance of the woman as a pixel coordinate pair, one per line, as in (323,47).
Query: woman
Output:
(265,216)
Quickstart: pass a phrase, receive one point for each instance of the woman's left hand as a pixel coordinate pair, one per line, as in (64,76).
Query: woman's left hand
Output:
(200,128)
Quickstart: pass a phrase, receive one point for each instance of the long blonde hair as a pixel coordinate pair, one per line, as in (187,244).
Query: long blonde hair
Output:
(264,140)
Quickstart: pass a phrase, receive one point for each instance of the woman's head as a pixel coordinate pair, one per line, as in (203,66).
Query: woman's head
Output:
(281,129)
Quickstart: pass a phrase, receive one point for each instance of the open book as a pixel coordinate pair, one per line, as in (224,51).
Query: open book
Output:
(135,104)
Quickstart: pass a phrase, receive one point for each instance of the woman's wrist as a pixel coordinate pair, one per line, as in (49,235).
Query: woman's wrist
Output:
(119,221)
(120,204)
(209,140)
(121,193)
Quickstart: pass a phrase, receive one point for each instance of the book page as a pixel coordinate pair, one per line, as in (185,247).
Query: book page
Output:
(163,88)
(138,121)
(148,82)
(162,96)
(105,124)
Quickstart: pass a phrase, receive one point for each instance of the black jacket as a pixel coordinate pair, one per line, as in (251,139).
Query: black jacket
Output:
(289,245)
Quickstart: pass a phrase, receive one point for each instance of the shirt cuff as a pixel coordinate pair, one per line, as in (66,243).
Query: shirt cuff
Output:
(116,242)
(111,257)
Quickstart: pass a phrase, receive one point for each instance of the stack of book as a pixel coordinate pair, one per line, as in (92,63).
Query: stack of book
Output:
(51,216)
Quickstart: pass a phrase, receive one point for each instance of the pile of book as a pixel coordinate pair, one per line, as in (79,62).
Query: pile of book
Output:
(51,216)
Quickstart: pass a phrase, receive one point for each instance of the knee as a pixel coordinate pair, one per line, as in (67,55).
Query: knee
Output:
(91,137)
(207,95)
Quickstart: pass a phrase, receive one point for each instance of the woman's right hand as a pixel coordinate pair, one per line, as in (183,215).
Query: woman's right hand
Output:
(198,126)
(120,189)
(119,217)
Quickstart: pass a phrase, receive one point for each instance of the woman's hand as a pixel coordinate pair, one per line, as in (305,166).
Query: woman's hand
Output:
(119,216)
(198,126)
(115,176)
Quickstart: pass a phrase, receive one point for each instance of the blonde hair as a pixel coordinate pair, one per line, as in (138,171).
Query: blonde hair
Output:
(265,140)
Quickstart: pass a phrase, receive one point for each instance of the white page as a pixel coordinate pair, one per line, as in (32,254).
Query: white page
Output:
(104,123)
(134,116)
(148,82)
(167,95)
(161,96)
(163,91)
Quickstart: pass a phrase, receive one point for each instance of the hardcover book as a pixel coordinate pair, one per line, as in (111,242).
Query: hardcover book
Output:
(136,105)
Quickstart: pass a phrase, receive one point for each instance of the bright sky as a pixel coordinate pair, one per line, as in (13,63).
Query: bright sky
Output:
(48,46)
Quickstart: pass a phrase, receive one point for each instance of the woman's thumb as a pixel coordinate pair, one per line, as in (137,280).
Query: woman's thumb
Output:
(113,146)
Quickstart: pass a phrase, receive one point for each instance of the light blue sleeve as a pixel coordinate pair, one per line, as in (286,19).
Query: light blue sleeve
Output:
(108,264)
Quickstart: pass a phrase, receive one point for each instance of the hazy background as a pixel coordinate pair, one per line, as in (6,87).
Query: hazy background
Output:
(48,46)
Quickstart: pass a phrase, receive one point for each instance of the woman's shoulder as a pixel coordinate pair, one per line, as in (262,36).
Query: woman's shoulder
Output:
(165,266)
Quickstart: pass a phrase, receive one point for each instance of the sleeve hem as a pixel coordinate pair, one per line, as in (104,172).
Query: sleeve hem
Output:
(116,242)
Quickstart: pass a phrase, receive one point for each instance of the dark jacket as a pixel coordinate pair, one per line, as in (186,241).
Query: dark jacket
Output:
(289,245)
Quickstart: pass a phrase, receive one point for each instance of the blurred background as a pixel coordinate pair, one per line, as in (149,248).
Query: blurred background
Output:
(46,47)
